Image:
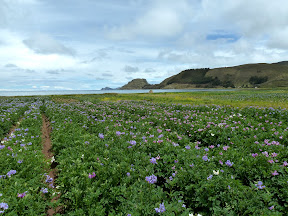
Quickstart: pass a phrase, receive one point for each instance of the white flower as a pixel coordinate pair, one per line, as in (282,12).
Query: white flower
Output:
(191,214)
(82,156)
(212,134)
(216,172)
(52,159)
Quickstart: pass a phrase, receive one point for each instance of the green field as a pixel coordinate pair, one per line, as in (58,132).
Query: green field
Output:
(208,153)
(239,98)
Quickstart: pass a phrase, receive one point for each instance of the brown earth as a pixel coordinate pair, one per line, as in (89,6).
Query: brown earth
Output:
(47,151)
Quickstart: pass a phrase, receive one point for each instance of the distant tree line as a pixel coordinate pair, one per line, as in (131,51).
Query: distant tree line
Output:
(254,80)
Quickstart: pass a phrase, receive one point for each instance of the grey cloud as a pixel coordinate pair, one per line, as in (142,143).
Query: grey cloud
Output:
(276,39)
(100,79)
(11,66)
(30,71)
(149,70)
(124,50)
(100,55)
(163,53)
(131,69)
(52,72)
(107,74)
(15,68)
(44,44)
(182,57)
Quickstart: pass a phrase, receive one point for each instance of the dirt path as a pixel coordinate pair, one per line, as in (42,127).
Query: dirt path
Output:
(47,151)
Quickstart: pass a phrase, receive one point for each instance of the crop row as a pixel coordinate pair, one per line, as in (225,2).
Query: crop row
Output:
(139,158)
(25,187)
(10,113)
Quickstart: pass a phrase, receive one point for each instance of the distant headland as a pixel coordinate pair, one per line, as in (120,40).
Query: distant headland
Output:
(242,76)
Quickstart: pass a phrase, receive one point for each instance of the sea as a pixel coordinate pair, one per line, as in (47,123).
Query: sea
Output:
(89,92)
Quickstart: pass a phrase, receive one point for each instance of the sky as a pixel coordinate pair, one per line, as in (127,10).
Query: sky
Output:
(91,44)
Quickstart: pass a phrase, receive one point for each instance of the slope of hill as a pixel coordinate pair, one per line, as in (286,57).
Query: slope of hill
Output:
(135,84)
(240,76)
(248,75)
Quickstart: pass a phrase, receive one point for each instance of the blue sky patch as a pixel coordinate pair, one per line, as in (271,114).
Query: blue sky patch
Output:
(229,37)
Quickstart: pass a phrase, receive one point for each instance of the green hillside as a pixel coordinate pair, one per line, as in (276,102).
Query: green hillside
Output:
(276,74)
(242,76)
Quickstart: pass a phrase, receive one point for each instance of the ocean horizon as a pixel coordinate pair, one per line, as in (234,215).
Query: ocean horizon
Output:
(73,92)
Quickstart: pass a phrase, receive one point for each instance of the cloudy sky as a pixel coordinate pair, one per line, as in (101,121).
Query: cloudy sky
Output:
(90,44)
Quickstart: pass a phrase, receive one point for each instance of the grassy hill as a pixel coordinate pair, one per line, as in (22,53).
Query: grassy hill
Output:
(277,74)
(135,84)
(248,75)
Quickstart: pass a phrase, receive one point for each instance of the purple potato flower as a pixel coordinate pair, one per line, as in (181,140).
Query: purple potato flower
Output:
(44,190)
(209,177)
(21,195)
(151,179)
(11,172)
(4,206)
(205,158)
(153,160)
(132,142)
(275,173)
(260,185)
(229,163)
(92,175)
(48,179)
(161,208)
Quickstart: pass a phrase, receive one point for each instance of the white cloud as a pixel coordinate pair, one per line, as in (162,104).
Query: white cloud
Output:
(276,39)
(44,44)
(161,19)
(155,39)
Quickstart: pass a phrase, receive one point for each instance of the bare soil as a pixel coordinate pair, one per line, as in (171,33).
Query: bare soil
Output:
(47,151)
